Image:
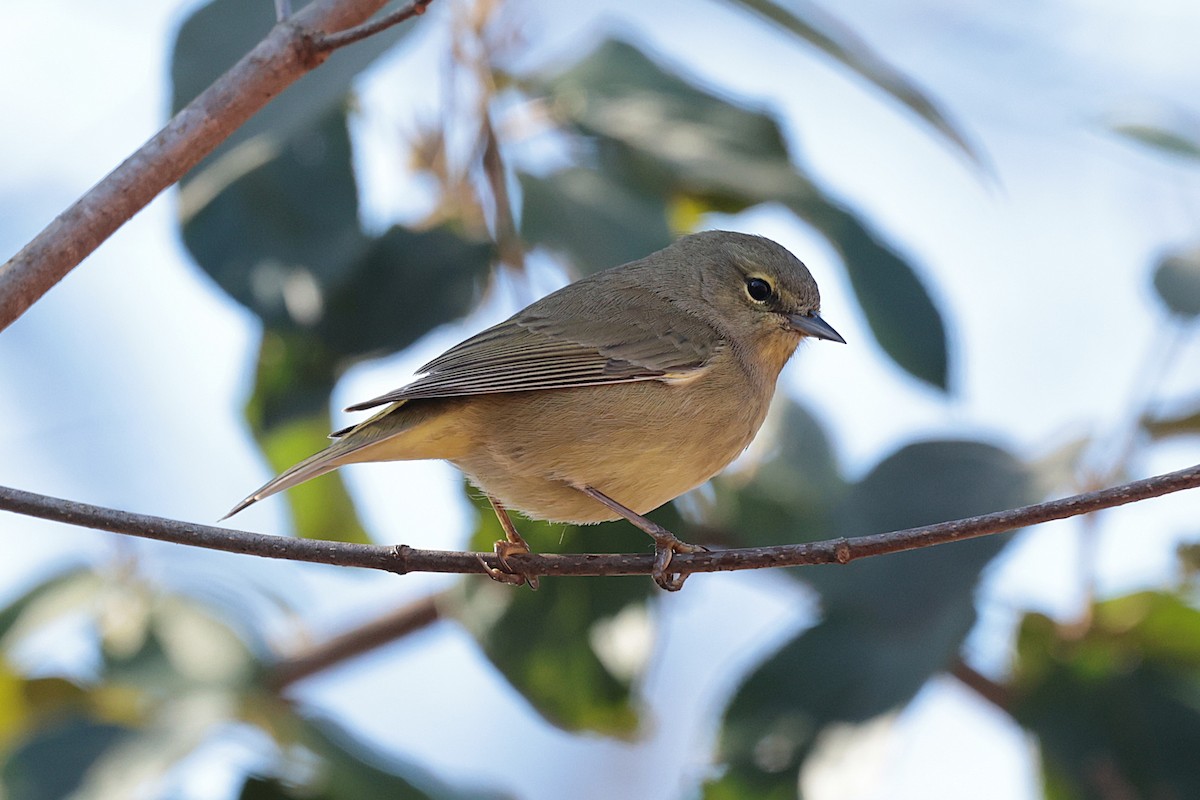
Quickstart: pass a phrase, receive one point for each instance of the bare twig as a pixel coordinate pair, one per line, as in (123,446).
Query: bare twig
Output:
(329,42)
(290,50)
(403,559)
(997,694)
(512,250)
(375,633)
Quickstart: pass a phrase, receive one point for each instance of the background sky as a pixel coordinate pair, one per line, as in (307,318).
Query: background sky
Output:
(124,386)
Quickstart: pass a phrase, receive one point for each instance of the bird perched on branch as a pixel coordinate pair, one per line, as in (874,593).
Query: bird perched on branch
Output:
(605,399)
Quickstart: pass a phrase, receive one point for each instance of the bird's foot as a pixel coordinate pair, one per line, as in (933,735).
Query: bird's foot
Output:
(666,545)
(511,544)
(505,573)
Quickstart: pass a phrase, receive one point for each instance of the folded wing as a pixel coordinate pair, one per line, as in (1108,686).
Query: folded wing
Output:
(570,339)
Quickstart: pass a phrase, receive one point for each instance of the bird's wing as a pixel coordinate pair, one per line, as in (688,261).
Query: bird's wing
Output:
(569,339)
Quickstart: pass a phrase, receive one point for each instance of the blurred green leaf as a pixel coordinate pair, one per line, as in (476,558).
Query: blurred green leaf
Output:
(1177,280)
(550,644)
(601,223)
(1182,423)
(348,769)
(255,788)
(289,416)
(889,623)
(14,710)
(793,495)
(321,508)
(282,235)
(1115,707)
(218,34)
(901,314)
(1160,139)
(284,239)
(831,37)
(295,374)
(53,761)
(661,136)
(67,592)
(404,284)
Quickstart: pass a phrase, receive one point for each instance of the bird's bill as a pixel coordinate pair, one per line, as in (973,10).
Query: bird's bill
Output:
(813,325)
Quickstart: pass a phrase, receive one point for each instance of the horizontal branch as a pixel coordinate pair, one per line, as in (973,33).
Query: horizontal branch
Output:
(403,559)
(290,50)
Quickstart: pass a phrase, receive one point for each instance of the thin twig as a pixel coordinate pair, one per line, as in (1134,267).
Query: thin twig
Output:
(328,42)
(403,559)
(288,52)
(362,639)
(512,250)
(997,694)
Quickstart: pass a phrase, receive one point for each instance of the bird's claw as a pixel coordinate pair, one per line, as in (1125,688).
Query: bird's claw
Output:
(666,545)
(505,572)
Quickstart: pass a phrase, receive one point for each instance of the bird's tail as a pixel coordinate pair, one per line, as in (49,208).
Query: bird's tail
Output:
(327,460)
(403,431)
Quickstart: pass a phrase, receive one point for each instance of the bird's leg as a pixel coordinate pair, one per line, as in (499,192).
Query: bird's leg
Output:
(510,544)
(666,544)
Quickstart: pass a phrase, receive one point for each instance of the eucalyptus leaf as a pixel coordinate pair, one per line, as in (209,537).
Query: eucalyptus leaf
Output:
(821,30)
(281,236)
(1160,139)
(1182,423)
(68,592)
(288,412)
(1177,281)
(658,134)
(1120,699)
(218,34)
(598,221)
(793,495)
(53,761)
(404,284)
(549,644)
(902,316)
(889,623)
(348,769)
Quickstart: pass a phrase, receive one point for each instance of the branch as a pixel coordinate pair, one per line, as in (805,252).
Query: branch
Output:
(332,41)
(403,559)
(289,51)
(377,632)
(997,694)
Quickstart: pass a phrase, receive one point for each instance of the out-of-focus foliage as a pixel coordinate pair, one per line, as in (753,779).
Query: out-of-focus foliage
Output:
(170,676)
(219,33)
(273,219)
(1164,140)
(1115,703)
(840,43)
(888,624)
(661,142)
(1177,280)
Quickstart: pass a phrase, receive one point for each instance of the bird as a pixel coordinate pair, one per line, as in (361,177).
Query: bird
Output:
(605,399)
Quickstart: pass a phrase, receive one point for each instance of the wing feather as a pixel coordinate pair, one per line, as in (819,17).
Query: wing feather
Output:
(570,339)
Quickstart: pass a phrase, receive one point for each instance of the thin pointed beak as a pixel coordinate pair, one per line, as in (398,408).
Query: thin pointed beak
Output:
(813,325)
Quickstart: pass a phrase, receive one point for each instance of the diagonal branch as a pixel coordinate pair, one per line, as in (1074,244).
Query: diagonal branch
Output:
(291,49)
(402,559)
(394,625)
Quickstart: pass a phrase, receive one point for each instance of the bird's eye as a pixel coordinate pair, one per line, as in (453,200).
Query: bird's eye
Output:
(758,289)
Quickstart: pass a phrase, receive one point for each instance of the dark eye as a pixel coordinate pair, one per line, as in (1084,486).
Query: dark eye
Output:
(758,289)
